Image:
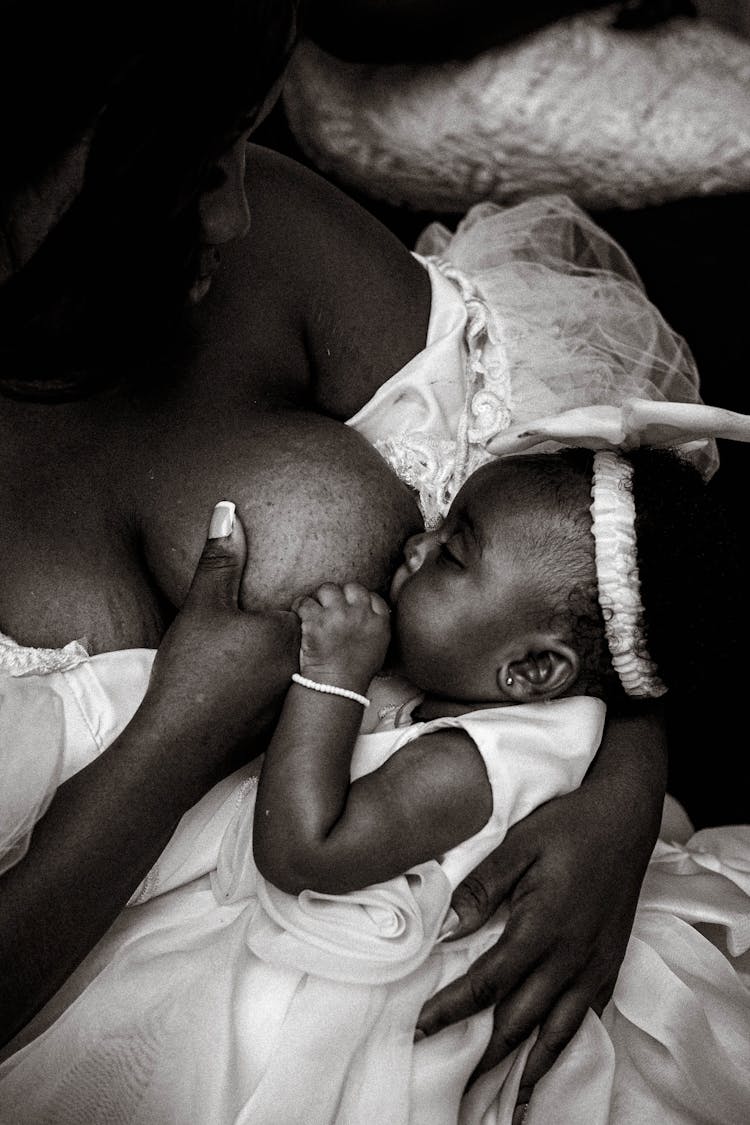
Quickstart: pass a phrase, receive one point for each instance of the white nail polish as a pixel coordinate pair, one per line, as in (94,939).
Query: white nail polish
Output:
(222,520)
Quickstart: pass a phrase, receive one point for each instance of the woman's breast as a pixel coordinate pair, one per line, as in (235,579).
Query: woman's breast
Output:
(104,530)
(317,503)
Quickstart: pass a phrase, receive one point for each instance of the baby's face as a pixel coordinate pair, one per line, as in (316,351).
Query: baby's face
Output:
(460,593)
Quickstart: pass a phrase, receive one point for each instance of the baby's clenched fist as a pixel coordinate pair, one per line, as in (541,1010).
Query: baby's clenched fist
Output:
(345,634)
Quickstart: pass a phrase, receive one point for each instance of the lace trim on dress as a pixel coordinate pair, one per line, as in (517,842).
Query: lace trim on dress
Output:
(23,660)
(437,467)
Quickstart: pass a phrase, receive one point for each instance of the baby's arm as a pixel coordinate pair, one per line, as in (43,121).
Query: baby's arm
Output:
(313,828)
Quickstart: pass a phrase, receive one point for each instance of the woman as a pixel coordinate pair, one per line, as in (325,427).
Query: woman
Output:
(124,418)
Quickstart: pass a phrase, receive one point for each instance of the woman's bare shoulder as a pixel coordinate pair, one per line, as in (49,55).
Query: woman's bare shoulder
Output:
(333,273)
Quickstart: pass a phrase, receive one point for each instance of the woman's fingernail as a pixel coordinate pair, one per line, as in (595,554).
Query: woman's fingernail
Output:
(222,520)
(449,925)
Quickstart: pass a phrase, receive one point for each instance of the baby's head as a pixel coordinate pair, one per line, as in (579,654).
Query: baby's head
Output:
(502,602)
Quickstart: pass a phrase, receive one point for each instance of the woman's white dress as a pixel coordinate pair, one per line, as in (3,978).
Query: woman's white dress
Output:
(217,998)
(214,997)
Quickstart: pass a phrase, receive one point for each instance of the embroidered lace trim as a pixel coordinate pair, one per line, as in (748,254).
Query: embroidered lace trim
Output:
(436,467)
(21,660)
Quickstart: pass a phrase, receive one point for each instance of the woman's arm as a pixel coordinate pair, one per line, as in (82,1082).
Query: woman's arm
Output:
(313,828)
(218,677)
(572,873)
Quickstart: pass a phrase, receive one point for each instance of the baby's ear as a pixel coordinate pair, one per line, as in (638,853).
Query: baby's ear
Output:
(546,671)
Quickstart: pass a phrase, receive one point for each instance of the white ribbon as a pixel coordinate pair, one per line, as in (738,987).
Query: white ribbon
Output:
(635,423)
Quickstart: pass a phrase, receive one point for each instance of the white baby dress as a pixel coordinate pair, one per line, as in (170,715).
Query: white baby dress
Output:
(227,1000)
(216,998)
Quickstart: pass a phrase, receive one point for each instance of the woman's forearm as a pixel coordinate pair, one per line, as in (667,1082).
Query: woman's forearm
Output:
(216,686)
(630,770)
(100,835)
(217,683)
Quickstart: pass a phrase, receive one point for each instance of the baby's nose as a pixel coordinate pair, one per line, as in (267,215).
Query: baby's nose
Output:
(417,549)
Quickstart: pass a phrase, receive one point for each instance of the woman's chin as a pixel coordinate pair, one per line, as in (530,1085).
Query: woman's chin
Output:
(199,290)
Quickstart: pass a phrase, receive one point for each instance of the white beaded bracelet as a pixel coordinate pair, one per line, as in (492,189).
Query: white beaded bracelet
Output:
(329,689)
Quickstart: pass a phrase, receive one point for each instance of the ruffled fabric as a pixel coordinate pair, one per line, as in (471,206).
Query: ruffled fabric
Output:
(613,528)
(535,311)
(568,306)
(239,1003)
(611,118)
(381,933)
(672,1045)
(177,1019)
(436,467)
(722,902)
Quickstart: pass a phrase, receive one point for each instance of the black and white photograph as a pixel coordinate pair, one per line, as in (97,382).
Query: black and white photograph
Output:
(374,605)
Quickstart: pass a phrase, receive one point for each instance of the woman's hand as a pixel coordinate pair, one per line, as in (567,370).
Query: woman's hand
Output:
(345,634)
(571,874)
(220,669)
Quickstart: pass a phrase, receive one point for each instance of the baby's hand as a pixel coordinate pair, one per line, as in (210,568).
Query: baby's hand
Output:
(345,635)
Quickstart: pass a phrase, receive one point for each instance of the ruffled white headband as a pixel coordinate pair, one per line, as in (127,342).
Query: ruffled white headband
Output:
(607,429)
(619,586)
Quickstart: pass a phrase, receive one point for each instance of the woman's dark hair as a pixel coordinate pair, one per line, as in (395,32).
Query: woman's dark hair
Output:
(167,89)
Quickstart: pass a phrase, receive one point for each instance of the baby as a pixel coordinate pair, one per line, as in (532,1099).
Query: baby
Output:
(527,594)
(292,993)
